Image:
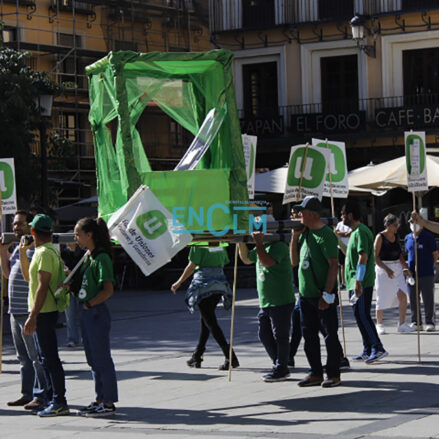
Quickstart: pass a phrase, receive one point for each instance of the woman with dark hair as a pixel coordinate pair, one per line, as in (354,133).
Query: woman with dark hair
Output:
(97,286)
(209,285)
(391,288)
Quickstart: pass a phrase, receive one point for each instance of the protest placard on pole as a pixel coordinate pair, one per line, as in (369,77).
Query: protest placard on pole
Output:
(337,177)
(7,186)
(416,161)
(306,172)
(415,158)
(249,145)
(147,231)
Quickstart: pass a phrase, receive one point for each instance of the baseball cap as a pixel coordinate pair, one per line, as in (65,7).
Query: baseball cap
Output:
(42,223)
(309,203)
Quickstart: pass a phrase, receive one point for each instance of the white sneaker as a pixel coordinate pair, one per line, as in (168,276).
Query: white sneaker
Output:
(405,328)
(415,326)
(380,329)
(429,327)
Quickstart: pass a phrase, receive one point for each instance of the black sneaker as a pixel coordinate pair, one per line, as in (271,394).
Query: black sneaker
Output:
(344,364)
(91,407)
(101,410)
(275,376)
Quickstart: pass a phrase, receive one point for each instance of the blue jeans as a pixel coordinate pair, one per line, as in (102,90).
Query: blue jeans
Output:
(95,325)
(46,327)
(313,321)
(274,333)
(73,321)
(33,377)
(365,323)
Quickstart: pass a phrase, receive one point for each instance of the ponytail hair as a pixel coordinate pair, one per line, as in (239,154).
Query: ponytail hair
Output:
(99,230)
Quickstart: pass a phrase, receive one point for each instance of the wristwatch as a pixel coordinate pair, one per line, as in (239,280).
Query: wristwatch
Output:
(88,305)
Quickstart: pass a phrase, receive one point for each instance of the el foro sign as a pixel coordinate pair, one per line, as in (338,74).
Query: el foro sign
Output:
(321,122)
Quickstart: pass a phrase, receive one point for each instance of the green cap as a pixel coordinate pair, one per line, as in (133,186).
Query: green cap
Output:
(42,223)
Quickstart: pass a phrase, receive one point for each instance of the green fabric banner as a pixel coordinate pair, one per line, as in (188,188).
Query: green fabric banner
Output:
(186,86)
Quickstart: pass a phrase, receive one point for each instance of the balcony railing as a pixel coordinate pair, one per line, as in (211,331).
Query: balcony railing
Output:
(374,115)
(81,7)
(250,14)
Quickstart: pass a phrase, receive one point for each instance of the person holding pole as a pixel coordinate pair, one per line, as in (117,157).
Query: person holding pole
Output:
(360,278)
(208,287)
(433,226)
(391,286)
(427,254)
(96,288)
(34,386)
(314,250)
(276,300)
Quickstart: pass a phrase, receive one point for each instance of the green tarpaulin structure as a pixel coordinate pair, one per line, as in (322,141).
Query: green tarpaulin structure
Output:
(186,86)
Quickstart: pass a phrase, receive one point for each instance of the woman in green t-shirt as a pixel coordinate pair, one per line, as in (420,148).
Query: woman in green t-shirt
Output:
(209,285)
(97,286)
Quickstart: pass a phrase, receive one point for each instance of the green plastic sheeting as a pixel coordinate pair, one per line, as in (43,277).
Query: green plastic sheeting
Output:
(186,86)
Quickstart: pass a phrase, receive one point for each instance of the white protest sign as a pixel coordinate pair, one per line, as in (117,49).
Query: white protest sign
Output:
(306,172)
(147,232)
(249,145)
(337,166)
(7,186)
(207,132)
(416,161)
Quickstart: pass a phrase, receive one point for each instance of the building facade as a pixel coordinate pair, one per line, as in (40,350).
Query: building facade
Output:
(64,36)
(300,74)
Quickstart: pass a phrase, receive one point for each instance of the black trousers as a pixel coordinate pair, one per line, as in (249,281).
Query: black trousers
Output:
(296,333)
(313,321)
(46,325)
(274,333)
(209,325)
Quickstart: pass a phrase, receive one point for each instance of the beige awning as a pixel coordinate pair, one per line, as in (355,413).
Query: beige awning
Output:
(389,175)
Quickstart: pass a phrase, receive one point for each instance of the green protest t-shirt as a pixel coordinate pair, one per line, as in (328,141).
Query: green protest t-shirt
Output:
(361,240)
(208,256)
(46,258)
(97,269)
(275,283)
(316,247)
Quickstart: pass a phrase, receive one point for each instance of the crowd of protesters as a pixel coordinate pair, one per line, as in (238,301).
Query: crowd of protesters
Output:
(35,269)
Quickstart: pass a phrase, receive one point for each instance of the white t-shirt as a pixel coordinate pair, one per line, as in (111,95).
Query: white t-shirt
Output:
(344,229)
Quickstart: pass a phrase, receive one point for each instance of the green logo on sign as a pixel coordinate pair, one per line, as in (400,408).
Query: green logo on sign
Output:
(152,224)
(338,163)
(6,180)
(251,161)
(314,168)
(415,154)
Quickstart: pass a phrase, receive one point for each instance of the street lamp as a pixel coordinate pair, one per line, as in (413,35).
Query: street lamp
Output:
(358,25)
(43,104)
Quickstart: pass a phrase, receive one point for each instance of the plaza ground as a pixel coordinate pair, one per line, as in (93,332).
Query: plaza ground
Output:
(160,397)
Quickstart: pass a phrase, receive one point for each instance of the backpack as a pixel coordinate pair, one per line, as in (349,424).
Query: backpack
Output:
(62,299)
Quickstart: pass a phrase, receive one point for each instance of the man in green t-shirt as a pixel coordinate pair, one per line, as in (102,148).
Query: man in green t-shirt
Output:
(360,279)
(314,249)
(44,275)
(276,300)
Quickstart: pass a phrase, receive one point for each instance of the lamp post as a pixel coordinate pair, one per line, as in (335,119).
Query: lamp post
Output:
(44,107)
(358,25)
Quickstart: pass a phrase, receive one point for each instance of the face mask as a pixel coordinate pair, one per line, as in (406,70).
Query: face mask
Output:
(415,228)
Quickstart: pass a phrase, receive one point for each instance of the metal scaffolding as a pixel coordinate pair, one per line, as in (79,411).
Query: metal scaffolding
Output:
(64,36)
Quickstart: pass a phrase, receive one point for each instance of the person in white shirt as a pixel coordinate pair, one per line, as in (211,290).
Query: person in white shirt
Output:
(343,232)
